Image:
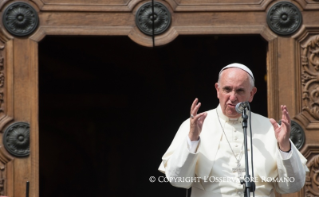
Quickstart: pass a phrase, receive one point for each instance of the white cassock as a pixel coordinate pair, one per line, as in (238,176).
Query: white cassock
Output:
(211,169)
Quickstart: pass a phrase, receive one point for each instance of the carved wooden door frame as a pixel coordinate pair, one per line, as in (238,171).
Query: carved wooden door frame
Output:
(292,67)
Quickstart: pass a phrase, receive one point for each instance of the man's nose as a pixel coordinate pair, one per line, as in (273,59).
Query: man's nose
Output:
(233,96)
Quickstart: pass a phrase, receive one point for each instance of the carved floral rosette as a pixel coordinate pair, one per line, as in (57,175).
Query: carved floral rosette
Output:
(312,179)
(310,76)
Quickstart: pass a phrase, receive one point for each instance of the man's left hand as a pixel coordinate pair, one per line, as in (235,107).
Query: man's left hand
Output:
(282,132)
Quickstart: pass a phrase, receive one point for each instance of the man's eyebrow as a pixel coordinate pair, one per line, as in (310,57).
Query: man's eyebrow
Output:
(240,89)
(226,87)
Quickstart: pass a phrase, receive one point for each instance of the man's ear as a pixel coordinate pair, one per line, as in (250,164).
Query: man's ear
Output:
(217,89)
(252,94)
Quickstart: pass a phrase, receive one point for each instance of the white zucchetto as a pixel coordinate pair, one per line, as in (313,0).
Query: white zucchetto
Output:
(241,66)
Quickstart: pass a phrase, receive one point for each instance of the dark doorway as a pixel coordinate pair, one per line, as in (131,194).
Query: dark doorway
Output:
(110,108)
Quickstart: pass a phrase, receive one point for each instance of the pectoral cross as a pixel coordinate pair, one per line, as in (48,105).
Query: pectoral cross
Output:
(238,169)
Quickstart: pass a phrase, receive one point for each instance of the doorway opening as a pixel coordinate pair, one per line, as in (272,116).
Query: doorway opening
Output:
(110,108)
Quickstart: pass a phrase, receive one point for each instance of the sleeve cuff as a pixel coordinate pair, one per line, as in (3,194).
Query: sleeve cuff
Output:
(285,155)
(192,145)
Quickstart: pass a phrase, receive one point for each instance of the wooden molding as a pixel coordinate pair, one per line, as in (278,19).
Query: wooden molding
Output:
(2,3)
(202,5)
(119,6)
(6,109)
(308,4)
(101,31)
(4,36)
(272,79)
(176,5)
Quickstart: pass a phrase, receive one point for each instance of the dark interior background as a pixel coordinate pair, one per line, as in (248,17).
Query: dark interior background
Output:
(110,108)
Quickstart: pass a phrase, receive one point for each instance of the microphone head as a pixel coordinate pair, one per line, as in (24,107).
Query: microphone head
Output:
(241,106)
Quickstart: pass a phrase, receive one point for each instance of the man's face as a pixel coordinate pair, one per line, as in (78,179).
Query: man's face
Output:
(234,87)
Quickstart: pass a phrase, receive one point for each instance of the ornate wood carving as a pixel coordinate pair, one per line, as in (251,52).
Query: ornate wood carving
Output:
(312,179)
(144,18)
(307,45)
(2,179)
(16,139)
(311,153)
(5,171)
(284,18)
(20,19)
(310,77)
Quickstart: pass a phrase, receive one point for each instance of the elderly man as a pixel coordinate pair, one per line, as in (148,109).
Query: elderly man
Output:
(207,152)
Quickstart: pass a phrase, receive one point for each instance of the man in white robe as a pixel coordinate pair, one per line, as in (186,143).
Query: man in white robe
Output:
(207,152)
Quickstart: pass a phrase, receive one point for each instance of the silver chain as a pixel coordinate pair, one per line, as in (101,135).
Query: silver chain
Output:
(241,151)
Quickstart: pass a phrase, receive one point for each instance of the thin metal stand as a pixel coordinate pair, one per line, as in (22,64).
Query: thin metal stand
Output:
(249,185)
(27,189)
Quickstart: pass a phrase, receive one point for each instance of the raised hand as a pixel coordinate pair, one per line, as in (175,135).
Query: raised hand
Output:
(282,132)
(196,121)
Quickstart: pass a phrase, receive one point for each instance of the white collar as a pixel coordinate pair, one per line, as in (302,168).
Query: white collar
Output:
(223,117)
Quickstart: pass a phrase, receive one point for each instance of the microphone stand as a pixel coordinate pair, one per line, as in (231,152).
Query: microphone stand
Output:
(249,186)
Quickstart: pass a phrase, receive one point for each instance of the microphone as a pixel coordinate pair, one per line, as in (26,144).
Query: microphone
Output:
(241,106)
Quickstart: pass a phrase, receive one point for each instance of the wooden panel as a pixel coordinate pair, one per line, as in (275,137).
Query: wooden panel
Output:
(218,5)
(86,19)
(286,72)
(306,45)
(22,167)
(218,2)
(308,69)
(272,79)
(86,2)
(81,5)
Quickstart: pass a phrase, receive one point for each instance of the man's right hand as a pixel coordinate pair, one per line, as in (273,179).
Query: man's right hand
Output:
(196,121)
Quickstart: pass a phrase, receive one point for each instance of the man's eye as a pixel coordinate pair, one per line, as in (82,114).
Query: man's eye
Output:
(240,91)
(227,89)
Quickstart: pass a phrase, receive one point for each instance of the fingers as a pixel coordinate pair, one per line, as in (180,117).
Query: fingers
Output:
(197,119)
(285,115)
(196,124)
(195,107)
(286,124)
(200,117)
(274,123)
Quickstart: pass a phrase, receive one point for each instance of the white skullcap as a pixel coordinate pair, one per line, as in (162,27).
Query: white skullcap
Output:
(241,66)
